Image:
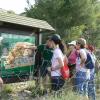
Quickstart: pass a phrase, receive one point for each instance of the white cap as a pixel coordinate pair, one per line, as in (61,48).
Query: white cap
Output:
(72,43)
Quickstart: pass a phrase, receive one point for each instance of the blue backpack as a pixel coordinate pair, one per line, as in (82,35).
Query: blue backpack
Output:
(89,63)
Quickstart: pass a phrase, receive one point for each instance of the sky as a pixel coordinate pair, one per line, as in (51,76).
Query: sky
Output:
(16,5)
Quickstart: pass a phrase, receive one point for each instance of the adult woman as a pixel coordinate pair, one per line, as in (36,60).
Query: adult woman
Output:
(81,71)
(57,62)
(91,82)
(72,57)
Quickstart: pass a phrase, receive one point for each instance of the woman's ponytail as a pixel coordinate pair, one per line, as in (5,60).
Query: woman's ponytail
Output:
(61,46)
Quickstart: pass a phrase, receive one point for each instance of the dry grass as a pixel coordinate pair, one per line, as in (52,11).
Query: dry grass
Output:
(67,94)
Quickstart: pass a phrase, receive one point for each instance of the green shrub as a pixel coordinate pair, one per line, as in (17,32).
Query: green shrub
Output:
(7,89)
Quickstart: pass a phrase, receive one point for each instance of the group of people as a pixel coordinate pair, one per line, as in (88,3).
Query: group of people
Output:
(84,76)
(50,59)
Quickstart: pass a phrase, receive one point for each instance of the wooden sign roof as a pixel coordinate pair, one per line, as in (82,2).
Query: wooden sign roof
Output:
(25,21)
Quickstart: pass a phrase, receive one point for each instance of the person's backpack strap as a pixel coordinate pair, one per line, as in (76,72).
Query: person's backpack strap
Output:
(89,63)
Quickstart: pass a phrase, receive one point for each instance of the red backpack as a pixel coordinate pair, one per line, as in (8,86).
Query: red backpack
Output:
(65,70)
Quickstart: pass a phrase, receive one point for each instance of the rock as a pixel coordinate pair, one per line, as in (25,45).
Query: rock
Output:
(28,92)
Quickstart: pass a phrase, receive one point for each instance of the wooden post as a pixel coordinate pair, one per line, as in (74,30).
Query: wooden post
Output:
(38,42)
(38,37)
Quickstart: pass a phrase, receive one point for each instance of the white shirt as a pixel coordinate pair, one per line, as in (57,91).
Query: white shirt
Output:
(82,68)
(78,61)
(57,53)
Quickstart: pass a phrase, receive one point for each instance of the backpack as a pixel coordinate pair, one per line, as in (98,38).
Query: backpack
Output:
(65,70)
(89,63)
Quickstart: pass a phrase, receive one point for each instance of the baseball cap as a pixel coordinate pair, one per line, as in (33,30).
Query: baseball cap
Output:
(55,37)
(72,43)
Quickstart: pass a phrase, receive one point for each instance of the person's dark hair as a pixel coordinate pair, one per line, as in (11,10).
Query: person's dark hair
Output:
(82,46)
(57,40)
(91,47)
(61,46)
